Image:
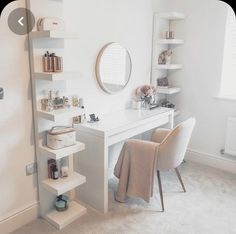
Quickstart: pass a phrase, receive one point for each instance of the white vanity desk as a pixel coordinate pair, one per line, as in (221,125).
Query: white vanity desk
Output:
(113,128)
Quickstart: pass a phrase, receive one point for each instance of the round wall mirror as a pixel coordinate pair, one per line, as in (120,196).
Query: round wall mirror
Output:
(113,68)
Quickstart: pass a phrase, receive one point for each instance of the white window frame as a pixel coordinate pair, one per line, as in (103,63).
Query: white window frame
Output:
(228,82)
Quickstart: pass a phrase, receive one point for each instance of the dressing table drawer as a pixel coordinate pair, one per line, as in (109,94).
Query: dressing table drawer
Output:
(129,133)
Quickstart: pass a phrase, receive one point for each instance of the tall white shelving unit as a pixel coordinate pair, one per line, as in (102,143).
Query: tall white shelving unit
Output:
(165,22)
(49,189)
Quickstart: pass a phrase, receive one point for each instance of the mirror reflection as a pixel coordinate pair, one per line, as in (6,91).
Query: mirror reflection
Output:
(113,68)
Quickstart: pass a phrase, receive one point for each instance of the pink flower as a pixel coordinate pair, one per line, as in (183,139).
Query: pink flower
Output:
(145,91)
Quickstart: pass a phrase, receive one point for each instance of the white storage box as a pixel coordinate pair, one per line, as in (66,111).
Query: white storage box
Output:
(61,137)
(50,23)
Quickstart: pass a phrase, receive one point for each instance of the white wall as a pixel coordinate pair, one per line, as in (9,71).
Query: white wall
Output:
(18,192)
(128,22)
(202,54)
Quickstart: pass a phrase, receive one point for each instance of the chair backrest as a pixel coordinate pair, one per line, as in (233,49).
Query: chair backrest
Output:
(173,148)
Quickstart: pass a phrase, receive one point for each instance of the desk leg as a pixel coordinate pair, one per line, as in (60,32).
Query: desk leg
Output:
(93,163)
(171,120)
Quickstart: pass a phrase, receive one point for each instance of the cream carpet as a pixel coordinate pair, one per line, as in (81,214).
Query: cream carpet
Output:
(208,207)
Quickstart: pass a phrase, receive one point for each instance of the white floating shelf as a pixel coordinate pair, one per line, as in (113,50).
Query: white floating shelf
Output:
(172,16)
(168,90)
(171,41)
(53,76)
(61,153)
(62,219)
(63,185)
(53,35)
(60,114)
(169,66)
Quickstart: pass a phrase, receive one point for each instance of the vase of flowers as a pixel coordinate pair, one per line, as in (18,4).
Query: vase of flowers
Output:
(146,94)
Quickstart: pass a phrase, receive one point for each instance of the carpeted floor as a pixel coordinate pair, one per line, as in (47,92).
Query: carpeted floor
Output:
(208,207)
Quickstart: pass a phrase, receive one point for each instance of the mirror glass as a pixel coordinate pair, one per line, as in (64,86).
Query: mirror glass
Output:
(113,68)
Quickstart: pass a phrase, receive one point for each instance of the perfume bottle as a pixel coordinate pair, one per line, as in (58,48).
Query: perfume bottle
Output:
(75,101)
(55,173)
(64,166)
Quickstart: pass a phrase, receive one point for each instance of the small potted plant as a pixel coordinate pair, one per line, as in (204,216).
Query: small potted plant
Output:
(146,94)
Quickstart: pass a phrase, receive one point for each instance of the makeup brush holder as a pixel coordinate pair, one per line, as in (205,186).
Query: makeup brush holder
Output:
(52,63)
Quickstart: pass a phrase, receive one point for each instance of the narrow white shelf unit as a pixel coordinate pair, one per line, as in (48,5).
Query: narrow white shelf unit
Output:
(169,91)
(62,219)
(171,41)
(60,114)
(59,76)
(172,15)
(61,153)
(169,66)
(53,35)
(165,22)
(49,188)
(63,185)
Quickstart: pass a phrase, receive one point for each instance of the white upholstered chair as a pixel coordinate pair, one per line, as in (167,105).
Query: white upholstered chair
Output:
(172,148)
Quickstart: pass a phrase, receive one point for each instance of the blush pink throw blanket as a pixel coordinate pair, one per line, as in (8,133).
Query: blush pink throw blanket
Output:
(135,169)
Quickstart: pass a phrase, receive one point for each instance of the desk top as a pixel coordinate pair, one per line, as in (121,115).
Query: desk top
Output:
(124,119)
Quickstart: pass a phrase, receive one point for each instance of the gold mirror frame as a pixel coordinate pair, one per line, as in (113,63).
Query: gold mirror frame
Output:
(98,74)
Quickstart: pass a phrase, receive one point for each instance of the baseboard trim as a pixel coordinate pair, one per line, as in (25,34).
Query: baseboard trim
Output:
(211,160)
(19,219)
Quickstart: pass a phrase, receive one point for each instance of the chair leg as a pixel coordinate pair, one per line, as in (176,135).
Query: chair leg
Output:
(184,161)
(180,179)
(160,190)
